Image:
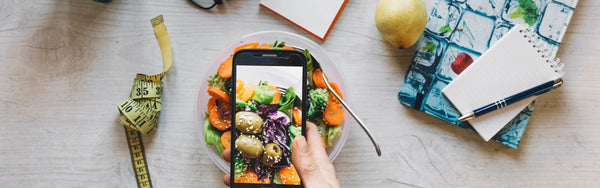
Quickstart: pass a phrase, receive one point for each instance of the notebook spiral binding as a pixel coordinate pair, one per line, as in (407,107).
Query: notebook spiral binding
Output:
(544,50)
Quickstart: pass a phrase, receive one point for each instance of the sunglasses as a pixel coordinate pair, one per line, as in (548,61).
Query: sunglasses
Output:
(206,4)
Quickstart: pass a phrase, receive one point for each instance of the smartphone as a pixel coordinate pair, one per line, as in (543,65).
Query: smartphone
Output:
(270,91)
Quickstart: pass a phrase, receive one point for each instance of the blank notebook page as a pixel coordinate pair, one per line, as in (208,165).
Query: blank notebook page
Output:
(314,16)
(510,66)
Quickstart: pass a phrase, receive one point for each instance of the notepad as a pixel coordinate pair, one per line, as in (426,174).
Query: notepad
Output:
(316,17)
(515,63)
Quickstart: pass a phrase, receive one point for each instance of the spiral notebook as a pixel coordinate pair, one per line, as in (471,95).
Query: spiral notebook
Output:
(516,62)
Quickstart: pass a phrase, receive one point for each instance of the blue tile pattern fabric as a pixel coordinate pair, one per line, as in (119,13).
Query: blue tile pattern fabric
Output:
(471,27)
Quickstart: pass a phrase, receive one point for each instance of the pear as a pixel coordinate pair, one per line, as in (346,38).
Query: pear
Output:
(401,22)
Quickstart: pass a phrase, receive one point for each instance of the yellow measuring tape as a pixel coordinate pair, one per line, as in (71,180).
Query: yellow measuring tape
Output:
(139,112)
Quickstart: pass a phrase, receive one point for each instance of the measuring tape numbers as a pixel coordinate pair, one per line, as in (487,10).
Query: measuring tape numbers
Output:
(140,112)
(138,158)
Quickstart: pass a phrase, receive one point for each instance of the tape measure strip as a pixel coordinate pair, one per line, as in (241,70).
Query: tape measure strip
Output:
(140,112)
(138,158)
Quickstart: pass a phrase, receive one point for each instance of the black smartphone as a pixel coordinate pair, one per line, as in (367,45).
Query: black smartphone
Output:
(270,92)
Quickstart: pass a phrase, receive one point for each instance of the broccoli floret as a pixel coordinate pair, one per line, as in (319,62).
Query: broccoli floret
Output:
(332,133)
(318,99)
(239,167)
(321,126)
(216,81)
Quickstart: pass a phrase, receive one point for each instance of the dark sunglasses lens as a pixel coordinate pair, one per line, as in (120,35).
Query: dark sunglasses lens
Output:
(206,4)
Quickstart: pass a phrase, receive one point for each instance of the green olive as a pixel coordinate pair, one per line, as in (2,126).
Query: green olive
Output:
(249,146)
(272,154)
(248,122)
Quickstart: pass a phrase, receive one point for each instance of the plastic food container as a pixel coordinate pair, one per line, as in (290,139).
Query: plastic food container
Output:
(333,74)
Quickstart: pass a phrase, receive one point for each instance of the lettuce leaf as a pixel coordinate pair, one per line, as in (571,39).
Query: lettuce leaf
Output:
(333,132)
(212,136)
(288,100)
(309,67)
(295,130)
(241,104)
(276,178)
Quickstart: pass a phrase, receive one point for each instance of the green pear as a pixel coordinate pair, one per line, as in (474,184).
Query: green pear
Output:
(401,22)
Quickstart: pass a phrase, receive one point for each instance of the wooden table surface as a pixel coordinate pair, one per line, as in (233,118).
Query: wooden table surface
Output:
(65,64)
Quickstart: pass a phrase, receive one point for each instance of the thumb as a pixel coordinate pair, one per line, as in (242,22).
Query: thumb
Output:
(304,163)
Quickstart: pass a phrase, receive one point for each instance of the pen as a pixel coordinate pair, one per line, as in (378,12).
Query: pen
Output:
(542,88)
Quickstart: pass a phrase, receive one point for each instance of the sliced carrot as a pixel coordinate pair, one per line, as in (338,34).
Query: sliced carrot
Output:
(288,175)
(276,96)
(318,79)
(272,88)
(288,48)
(247,92)
(265,180)
(297,113)
(219,121)
(218,94)
(322,139)
(226,139)
(264,46)
(239,85)
(225,68)
(333,114)
(251,177)
(225,106)
(246,46)
(337,90)
(248,177)
(211,103)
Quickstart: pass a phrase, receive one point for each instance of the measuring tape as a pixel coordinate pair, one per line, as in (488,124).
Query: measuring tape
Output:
(139,112)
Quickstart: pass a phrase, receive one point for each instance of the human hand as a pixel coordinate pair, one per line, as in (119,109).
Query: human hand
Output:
(309,158)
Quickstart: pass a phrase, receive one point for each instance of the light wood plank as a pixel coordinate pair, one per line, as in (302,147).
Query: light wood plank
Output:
(65,64)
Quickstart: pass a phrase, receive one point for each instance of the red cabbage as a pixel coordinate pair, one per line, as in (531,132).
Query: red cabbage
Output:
(275,132)
(262,171)
(266,109)
(281,117)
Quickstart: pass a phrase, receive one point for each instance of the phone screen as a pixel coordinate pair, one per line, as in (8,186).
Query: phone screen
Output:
(267,117)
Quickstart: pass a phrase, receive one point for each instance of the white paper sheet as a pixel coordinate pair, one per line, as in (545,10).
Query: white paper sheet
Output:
(314,16)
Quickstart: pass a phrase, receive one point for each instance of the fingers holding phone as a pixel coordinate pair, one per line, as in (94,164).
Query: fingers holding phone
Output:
(309,158)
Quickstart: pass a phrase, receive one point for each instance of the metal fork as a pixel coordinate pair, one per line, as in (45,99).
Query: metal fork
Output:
(360,122)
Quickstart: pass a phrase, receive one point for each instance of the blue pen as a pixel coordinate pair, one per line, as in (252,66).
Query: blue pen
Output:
(542,88)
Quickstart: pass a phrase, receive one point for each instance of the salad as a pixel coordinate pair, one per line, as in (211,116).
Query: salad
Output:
(267,120)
